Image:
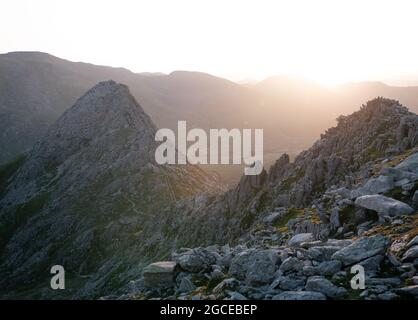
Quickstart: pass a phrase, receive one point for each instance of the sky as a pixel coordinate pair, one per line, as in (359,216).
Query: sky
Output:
(330,42)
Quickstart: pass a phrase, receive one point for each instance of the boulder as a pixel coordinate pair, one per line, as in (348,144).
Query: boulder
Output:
(413,242)
(409,290)
(298,239)
(326,268)
(384,206)
(186,285)
(361,249)
(372,265)
(299,295)
(291,264)
(410,164)
(335,219)
(196,260)
(324,286)
(399,174)
(159,274)
(411,254)
(288,283)
(322,253)
(377,185)
(255,266)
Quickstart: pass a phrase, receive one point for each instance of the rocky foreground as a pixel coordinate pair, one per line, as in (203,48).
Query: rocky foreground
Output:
(349,200)
(274,263)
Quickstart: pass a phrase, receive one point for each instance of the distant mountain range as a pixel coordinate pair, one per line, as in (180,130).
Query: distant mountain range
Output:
(36,88)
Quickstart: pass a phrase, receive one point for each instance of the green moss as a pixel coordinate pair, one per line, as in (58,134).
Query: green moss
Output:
(291,213)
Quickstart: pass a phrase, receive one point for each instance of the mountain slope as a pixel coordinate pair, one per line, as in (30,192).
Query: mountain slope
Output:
(84,195)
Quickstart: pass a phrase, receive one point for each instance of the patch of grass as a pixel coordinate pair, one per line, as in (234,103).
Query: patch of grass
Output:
(315,218)
(408,230)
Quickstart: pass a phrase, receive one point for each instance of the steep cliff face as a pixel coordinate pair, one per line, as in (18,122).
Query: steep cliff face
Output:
(82,196)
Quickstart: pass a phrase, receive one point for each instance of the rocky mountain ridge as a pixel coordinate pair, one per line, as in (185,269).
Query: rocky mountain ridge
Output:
(350,199)
(89,196)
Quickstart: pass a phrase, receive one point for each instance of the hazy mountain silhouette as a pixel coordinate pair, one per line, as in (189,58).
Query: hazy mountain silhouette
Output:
(36,88)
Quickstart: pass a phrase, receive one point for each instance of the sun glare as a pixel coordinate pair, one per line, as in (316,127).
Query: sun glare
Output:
(328,41)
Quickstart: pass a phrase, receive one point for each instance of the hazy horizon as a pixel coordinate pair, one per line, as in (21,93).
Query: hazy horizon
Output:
(327,42)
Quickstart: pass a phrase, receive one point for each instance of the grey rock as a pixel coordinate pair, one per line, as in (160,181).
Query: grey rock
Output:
(299,295)
(413,242)
(410,254)
(377,185)
(186,285)
(291,264)
(394,281)
(298,239)
(326,268)
(361,249)
(415,200)
(399,174)
(409,290)
(324,286)
(384,206)
(255,266)
(288,283)
(410,164)
(372,264)
(196,260)
(335,218)
(387,296)
(237,296)
(322,253)
(159,274)
(226,284)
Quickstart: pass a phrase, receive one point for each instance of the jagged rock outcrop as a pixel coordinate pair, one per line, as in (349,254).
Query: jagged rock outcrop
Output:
(342,154)
(371,154)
